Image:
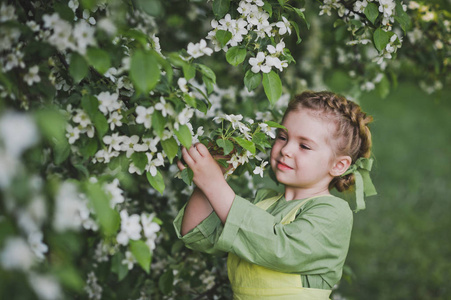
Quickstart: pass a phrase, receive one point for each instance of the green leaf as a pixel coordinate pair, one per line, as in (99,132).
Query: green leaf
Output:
(301,14)
(190,100)
(236,55)
(170,147)
(88,4)
(184,136)
(371,12)
(226,145)
(201,106)
(167,67)
(99,59)
(223,37)
(166,282)
(101,124)
(381,39)
(209,84)
(61,153)
(152,7)
(142,254)
(90,104)
(383,87)
(207,72)
(53,126)
(118,267)
(272,86)
(139,160)
(187,176)
(402,17)
(189,71)
(296,29)
(275,125)
(248,145)
(252,80)
(158,123)
(90,148)
(157,181)
(107,217)
(268,8)
(144,71)
(78,67)
(220,8)
(261,139)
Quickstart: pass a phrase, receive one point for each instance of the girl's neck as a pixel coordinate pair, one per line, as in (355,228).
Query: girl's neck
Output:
(292,194)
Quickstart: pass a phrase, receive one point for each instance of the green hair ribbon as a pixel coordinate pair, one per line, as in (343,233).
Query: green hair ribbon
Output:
(363,184)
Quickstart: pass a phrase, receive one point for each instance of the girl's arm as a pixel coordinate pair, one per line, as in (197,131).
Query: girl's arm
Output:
(209,178)
(197,209)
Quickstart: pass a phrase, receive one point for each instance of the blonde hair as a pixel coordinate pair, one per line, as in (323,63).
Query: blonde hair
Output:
(352,136)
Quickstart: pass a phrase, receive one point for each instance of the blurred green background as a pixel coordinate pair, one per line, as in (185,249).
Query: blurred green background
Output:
(401,244)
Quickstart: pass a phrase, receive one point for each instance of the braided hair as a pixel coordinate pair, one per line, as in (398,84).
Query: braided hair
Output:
(352,136)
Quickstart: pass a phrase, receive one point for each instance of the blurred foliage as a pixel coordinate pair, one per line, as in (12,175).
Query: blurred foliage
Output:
(84,213)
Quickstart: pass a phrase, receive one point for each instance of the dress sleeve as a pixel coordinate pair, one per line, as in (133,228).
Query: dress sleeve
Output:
(204,236)
(316,242)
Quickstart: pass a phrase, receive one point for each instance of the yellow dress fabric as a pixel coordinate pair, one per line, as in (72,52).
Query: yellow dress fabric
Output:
(252,282)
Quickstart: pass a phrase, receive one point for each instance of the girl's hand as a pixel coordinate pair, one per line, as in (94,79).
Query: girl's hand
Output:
(206,170)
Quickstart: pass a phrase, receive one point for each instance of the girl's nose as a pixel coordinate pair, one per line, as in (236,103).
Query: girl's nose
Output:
(287,150)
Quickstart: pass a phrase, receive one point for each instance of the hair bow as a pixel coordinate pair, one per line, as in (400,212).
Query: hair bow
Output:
(363,184)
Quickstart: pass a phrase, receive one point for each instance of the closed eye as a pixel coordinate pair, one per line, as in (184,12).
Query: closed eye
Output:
(305,147)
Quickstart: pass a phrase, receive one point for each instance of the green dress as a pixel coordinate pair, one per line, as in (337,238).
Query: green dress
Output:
(314,245)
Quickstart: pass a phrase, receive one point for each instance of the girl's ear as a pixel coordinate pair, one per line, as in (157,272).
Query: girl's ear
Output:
(340,166)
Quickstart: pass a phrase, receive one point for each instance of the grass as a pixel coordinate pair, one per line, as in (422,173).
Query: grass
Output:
(401,246)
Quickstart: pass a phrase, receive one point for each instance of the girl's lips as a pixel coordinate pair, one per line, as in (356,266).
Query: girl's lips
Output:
(282,166)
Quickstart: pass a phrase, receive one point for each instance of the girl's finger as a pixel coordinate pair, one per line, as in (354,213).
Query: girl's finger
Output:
(187,157)
(202,149)
(180,165)
(194,152)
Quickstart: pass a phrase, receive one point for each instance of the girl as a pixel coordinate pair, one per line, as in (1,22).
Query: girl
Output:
(294,245)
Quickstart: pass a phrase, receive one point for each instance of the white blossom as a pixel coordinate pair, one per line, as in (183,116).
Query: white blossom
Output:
(18,132)
(184,117)
(132,169)
(37,245)
(16,254)
(82,118)
(165,107)
(93,288)
(182,83)
(84,36)
(115,192)
(284,26)
(151,143)
(130,228)
(72,133)
(46,287)
(267,130)
(114,120)
(258,64)
(130,145)
(114,141)
(32,76)
(149,226)
(129,260)
(108,102)
(152,164)
(68,207)
(144,116)
(199,49)
(7,13)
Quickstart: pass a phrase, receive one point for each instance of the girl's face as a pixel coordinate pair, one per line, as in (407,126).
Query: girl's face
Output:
(301,157)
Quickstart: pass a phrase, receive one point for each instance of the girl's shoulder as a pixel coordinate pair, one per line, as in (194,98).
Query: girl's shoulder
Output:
(329,204)
(263,194)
